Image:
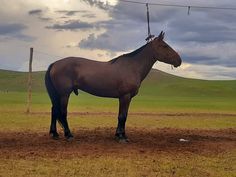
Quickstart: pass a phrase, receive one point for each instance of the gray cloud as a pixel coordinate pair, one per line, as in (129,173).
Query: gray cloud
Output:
(12,28)
(71,25)
(204,60)
(71,12)
(45,18)
(40,14)
(127,29)
(68,13)
(212,72)
(89,15)
(113,39)
(137,12)
(98,4)
(209,54)
(35,12)
(103,42)
(201,30)
(202,37)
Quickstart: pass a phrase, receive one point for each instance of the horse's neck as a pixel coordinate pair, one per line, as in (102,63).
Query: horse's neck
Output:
(144,62)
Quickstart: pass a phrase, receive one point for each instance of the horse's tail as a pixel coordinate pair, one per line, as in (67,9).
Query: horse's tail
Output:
(52,92)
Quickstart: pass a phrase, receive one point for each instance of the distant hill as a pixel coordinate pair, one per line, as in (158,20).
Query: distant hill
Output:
(17,81)
(157,82)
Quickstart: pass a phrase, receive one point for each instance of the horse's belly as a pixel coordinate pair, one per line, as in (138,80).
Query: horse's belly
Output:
(106,84)
(109,90)
(103,88)
(102,92)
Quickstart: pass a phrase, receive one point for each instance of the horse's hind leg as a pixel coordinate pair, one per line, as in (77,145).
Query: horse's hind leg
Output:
(63,106)
(55,113)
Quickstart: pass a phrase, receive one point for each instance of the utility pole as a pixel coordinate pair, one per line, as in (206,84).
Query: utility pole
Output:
(30,82)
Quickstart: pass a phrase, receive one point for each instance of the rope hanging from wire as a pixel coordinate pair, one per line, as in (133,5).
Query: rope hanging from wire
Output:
(150,36)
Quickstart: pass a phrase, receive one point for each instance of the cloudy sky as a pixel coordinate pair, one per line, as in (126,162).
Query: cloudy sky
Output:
(104,29)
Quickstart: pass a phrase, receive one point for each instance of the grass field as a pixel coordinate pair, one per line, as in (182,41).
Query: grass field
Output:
(167,109)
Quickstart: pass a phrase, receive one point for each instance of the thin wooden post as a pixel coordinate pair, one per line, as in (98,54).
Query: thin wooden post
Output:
(30,82)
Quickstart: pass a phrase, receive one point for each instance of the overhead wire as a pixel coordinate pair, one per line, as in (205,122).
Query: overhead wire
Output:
(178,5)
(38,51)
(48,54)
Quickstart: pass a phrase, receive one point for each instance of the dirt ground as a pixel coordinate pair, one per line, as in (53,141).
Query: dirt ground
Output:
(100,141)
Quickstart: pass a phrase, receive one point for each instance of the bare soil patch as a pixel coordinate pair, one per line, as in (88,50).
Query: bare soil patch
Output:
(100,141)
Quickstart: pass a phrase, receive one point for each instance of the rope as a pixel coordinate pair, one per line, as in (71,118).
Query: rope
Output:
(149,32)
(150,36)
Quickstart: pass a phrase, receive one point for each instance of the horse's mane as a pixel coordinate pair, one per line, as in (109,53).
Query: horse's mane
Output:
(131,54)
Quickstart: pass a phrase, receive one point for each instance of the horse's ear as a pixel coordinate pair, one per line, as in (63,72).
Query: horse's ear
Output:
(161,36)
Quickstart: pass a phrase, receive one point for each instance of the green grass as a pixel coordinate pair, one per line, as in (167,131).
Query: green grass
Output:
(17,81)
(19,121)
(159,92)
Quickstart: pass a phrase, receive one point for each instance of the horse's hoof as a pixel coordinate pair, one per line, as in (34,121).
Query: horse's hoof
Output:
(69,137)
(54,136)
(123,140)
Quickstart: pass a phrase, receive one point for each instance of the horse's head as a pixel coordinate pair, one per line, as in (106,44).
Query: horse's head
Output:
(163,52)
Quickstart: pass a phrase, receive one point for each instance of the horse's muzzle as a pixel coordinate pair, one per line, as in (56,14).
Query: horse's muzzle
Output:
(178,62)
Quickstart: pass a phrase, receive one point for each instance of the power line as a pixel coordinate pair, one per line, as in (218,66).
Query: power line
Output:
(39,51)
(48,54)
(180,6)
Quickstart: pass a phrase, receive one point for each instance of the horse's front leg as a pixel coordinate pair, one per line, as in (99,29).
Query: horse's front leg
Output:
(124,102)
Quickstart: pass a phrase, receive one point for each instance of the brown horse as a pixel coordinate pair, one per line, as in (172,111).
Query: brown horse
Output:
(117,78)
